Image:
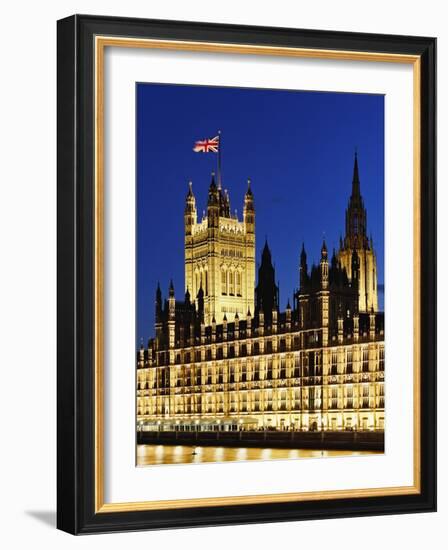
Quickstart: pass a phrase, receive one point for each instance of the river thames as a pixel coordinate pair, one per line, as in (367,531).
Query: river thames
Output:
(149,455)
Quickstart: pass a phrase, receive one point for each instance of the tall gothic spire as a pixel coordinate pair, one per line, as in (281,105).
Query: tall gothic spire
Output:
(266,293)
(303,269)
(213,190)
(356,215)
(355,182)
(158,303)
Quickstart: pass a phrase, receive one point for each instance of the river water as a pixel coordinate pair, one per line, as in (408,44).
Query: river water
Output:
(182,454)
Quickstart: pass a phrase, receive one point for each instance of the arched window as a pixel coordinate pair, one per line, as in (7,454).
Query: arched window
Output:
(198,282)
(223,281)
(238,283)
(231,282)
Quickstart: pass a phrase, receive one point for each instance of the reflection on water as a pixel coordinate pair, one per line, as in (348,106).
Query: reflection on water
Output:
(183,454)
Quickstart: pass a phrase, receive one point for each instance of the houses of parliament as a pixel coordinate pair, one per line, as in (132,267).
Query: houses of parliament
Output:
(226,357)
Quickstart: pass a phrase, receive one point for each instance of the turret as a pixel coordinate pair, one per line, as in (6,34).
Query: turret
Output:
(190,215)
(158,304)
(171,301)
(224,204)
(171,320)
(303,270)
(213,204)
(360,270)
(334,260)
(324,266)
(267,291)
(249,209)
(141,354)
(159,315)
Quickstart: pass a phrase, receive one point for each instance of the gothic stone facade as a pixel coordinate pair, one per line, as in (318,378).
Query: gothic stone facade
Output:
(226,357)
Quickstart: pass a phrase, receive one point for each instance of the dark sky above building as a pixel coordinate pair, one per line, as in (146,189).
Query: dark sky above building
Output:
(296,147)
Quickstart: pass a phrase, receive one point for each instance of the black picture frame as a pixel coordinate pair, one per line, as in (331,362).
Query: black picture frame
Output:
(76,263)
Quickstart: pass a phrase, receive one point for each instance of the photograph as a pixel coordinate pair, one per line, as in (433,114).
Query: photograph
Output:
(246,322)
(260,287)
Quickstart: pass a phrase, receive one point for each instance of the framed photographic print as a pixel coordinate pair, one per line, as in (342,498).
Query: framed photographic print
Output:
(246,274)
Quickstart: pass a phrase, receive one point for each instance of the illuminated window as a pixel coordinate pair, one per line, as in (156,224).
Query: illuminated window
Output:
(231,282)
(334,363)
(238,283)
(224,281)
(198,281)
(349,362)
(365,360)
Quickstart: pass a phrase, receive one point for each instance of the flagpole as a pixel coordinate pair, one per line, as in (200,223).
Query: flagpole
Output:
(219,160)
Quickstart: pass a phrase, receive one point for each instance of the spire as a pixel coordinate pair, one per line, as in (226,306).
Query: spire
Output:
(356,215)
(249,209)
(171,289)
(214,204)
(334,260)
(355,181)
(323,250)
(303,255)
(249,189)
(190,201)
(266,254)
(303,269)
(158,303)
(213,193)
(190,210)
(266,292)
(213,183)
(200,292)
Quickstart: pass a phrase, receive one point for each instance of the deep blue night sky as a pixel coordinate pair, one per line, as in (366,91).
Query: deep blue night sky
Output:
(297,148)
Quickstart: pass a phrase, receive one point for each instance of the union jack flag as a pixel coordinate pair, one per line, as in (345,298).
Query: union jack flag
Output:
(207,145)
